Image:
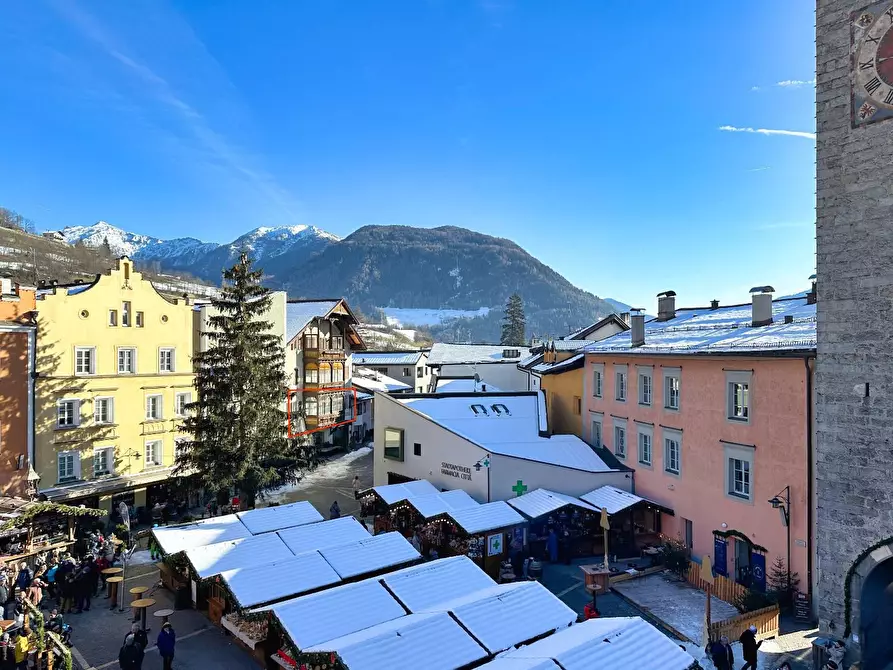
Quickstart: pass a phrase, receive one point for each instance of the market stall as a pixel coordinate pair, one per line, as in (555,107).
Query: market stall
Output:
(574,522)
(370,555)
(30,527)
(635,521)
(279,517)
(317,536)
(406,516)
(421,587)
(378,501)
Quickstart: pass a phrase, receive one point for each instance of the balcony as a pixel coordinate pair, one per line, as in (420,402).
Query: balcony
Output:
(86,433)
(154,426)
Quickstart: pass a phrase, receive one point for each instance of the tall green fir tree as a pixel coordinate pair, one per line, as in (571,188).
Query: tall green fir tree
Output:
(514,322)
(237,425)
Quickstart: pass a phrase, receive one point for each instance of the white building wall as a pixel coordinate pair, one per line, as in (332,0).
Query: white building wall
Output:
(504,376)
(506,471)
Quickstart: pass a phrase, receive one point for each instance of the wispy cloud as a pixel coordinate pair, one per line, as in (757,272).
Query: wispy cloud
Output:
(786,224)
(756,88)
(760,169)
(788,83)
(768,131)
(207,149)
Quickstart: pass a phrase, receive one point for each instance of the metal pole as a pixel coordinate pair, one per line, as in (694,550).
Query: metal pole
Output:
(789,536)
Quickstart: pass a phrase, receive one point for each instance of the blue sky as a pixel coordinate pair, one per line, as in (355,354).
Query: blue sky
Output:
(634,147)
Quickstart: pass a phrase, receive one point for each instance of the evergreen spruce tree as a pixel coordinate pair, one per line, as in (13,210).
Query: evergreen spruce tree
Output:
(514,322)
(105,249)
(237,424)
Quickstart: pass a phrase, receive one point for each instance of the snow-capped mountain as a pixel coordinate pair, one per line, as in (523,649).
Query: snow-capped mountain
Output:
(290,245)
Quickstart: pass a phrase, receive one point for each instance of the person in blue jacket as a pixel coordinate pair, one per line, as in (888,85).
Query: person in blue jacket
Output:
(552,546)
(167,638)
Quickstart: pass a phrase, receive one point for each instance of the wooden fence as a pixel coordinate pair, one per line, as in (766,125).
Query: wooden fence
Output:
(766,621)
(723,588)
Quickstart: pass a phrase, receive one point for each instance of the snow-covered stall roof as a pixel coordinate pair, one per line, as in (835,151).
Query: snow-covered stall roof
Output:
(541,502)
(622,642)
(421,587)
(503,616)
(260,583)
(318,536)
(511,663)
(299,314)
(489,516)
(313,619)
(394,493)
(370,554)
(702,330)
(509,425)
(370,380)
(614,500)
(458,354)
(278,517)
(387,357)
(442,503)
(434,637)
(174,539)
(212,559)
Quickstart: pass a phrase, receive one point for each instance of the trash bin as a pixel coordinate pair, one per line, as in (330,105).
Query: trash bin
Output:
(819,653)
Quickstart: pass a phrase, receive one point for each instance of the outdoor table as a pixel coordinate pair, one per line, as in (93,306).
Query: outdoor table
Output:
(163,615)
(113,589)
(6,623)
(110,572)
(142,605)
(137,593)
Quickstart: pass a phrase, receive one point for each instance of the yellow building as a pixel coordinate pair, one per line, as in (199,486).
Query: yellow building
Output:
(114,365)
(561,378)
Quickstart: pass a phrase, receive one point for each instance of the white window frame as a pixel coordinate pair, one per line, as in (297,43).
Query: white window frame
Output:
(139,319)
(645,386)
(621,383)
(407,372)
(620,424)
(159,454)
(177,396)
(76,418)
(92,366)
(172,353)
(596,429)
(111,410)
(598,380)
(133,367)
(645,439)
(110,461)
(159,405)
(126,308)
(75,466)
(675,436)
(733,380)
(668,374)
(739,452)
(113,318)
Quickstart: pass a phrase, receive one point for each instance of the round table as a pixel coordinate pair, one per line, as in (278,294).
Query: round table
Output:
(142,605)
(137,593)
(110,572)
(163,615)
(112,583)
(6,623)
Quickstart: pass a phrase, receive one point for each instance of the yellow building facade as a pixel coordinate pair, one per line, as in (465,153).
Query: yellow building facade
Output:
(114,372)
(562,381)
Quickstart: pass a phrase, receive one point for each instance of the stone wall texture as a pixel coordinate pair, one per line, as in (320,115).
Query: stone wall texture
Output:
(854,220)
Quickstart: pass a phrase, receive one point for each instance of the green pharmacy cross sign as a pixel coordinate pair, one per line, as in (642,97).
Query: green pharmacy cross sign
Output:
(519,488)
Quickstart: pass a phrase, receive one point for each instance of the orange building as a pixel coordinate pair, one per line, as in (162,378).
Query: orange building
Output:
(17,354)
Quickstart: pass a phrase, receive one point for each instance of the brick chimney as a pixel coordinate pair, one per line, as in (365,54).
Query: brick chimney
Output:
(637,327)
(714,304)
(666,305)
(762,305)
(811,296)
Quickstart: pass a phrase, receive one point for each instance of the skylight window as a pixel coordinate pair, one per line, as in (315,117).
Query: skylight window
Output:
(479,410)
(500,408)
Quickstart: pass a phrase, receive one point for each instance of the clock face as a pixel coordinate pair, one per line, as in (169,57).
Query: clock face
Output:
(874,60)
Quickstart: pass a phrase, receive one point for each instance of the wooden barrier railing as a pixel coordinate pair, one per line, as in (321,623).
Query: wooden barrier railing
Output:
(766,621)
(723,588)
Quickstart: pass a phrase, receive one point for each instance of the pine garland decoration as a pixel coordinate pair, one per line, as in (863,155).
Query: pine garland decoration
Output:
(62,647)
(28,513)
(36,622)
(741,536)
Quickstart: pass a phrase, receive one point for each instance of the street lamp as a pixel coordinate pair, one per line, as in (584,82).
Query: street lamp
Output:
(782,502)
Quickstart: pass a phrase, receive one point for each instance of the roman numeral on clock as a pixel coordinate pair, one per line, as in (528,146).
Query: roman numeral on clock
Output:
(889,12)
(873,85)
(867,65)
(889,99)
(869,38)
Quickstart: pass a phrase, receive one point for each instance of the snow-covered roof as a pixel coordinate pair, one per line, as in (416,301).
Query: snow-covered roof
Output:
(530,360)
(722,331)
(489,516)
(313,619)
(174,539)
(299,314)
(424,586)
(458,354)
(503,616)
(512,429)
(371,380)
(583,333)
(562,366)
(541,502)
(621,642)
(611,498)
(513,663)
(213,559)
(464,385)
(259,583)
(435,637)
(442,503)
(268,519)
(388,358)
(317,536)
(370,554)
(393,493)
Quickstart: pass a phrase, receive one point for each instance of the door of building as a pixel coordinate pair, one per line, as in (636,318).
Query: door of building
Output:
(689,536)
(742,562)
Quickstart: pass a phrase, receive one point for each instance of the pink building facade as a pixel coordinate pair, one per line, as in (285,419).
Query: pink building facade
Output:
(714,415)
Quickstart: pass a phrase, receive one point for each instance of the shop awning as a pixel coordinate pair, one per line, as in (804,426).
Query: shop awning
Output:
(616,500)
(442,503)
(184,536)
(279,517)
(370,554)
(490,516)
(318,536)
(259,583)
(394,493)
(213,559)
(541,502)
(421,587)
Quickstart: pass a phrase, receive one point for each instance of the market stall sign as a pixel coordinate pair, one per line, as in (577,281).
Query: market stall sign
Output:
(457,471)
(494,544)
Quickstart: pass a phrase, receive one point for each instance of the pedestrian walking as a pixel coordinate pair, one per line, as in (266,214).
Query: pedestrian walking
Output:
(7,653)
(334,511)
(52,592)
(140,636)
(749,646)
(25,576)
(22,645)
(416,542)
(85,585)
(720,652)
(130,657)
(356,487)
(167,639)
(552,546)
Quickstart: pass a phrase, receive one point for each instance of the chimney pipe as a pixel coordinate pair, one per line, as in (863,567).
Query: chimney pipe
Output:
(625,317)
(762,305)
(811,296)
(666,305)
(714,304)
(637,327)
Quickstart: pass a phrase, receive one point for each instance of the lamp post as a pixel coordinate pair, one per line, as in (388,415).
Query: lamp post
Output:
(782,502)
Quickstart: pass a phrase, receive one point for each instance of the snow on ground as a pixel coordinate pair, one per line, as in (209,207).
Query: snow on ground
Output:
(398,316)
(332,469)
(408,333)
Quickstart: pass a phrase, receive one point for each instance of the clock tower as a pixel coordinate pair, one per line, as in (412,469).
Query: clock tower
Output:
(854,374)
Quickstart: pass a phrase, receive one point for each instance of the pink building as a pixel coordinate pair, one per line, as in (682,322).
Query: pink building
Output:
(712,408)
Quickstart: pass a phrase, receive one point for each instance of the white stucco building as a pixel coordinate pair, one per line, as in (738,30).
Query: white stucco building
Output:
(495,365)
(409,367)
(494,446)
